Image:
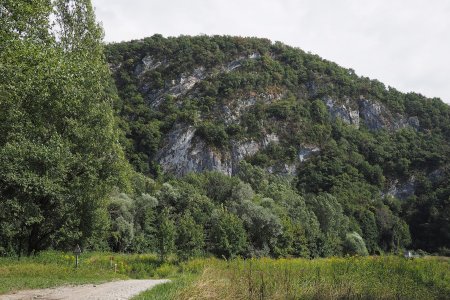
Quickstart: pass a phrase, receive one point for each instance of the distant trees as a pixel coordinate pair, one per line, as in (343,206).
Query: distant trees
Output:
(354,244)
(228,236)
(165,234)
(190,237)
(286,89)
(122,229)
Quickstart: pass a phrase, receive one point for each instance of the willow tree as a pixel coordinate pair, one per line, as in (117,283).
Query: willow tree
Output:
(59,150)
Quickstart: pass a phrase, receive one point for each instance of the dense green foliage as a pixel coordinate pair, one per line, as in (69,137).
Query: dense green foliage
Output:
(344,185)
(59,150)
(225,216)
(66,133)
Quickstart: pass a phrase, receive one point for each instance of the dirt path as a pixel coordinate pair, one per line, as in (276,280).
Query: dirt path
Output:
(116,290)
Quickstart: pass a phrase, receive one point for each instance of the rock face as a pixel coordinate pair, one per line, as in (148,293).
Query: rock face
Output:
(176,88)
(233,111)
(306,152)
(343,112)
(402,190)
(184,83)
(148,64)
(283,169)
(372,114)
(184,152)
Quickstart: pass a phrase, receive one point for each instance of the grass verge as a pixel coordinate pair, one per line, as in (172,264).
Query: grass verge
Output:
(51,268)
(170,290)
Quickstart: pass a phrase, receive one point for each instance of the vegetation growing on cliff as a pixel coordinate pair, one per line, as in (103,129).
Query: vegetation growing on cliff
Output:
(65,179)
(243,89)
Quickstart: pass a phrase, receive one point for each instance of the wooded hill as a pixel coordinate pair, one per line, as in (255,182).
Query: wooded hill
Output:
(349,145)
(195,145)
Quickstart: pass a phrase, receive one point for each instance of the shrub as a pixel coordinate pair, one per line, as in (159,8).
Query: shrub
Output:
(354,244)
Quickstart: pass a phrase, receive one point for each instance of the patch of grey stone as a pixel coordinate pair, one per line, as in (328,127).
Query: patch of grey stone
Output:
(185,152)
(306,152)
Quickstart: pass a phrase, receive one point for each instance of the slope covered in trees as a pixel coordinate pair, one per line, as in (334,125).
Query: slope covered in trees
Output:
(239,146)
(375,157)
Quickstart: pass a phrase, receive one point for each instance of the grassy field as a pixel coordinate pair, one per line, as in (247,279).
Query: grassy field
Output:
(384,277)
(50,269)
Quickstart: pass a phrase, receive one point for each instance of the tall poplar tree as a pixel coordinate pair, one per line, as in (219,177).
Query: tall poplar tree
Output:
(59,149)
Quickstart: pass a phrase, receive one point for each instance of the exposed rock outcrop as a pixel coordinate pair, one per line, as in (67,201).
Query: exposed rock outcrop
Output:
(232,111)
(184,152)
(343,111)
(306,152)
(370,112)
(148,64)
(373,114)
(176,88)
(376,116)
(238,62)
(184,83)
(402,190)
(283,169)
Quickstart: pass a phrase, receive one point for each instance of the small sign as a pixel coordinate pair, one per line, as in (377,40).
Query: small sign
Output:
(77,252)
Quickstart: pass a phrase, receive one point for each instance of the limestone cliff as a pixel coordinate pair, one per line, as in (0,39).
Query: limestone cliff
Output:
(254,96)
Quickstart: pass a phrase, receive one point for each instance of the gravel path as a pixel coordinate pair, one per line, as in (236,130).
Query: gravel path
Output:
(116,290)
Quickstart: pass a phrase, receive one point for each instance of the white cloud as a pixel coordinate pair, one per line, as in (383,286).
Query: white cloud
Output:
(402,43)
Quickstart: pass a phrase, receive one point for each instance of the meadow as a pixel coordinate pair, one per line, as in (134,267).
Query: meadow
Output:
(384,277)
(51,268)
(375,277)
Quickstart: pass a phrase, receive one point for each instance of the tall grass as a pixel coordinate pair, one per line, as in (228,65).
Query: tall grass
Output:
(332,278)
(385,277)
(52,268)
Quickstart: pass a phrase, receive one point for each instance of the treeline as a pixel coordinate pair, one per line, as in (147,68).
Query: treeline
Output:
(251,214)
(357,166)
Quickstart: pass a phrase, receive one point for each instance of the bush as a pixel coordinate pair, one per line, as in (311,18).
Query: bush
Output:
(354,245)
(213,134)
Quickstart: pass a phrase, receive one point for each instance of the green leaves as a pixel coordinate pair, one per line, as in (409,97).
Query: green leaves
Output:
(59,143)
(165,234)
(228,236)
(190,239)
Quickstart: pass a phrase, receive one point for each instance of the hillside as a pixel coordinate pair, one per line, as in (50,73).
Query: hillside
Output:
(207,146)
(193,104)
(233,166)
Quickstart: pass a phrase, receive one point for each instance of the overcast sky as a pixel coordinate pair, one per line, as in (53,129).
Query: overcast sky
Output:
(403,43)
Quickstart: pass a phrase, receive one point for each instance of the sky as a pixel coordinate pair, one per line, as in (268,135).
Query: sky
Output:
(402,43)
